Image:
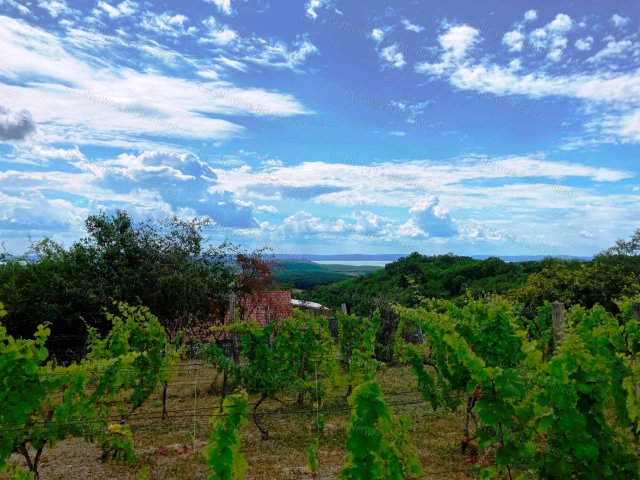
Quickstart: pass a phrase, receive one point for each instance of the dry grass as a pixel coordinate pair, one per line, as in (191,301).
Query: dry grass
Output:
(172,448)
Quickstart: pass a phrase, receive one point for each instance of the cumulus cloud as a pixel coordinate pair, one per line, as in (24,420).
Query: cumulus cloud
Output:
(411,27)
(314,5)
(530,15)
(610,98)
(392,56)
(18,6)
(619,21)
(267,209)
(33,211)
(224,6)
(613,49)
(378,34)
(180,180)
(456,43)
(88,103)
(303,223)
(55,8)
(127,7)
(217,33)
(584,44)
(458,40)
(514,40)
(369,223)
(15,126)
(552,36)
(429,219)
(279,54)
(172,25)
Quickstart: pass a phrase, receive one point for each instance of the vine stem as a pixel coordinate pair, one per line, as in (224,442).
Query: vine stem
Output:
(195,408)
(502,435)
(263,432)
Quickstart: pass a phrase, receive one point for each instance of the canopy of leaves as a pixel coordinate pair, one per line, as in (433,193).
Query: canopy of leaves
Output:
(164,265)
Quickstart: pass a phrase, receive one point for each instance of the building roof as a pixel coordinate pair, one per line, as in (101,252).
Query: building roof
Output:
(306,304)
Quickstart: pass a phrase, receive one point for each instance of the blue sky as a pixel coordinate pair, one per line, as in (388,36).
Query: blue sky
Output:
(325,126)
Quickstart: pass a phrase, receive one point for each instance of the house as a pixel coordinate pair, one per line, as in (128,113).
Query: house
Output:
(311,307)
(262,307)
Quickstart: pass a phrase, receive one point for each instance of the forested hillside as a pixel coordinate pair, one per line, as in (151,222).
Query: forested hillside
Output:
(610,275)
(443,276)
(307,274)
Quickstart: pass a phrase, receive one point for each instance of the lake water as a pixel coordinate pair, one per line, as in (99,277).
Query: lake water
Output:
(355,263)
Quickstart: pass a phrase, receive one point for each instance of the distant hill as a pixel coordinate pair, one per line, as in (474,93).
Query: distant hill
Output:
(444,276)
(353,257)
(307,275)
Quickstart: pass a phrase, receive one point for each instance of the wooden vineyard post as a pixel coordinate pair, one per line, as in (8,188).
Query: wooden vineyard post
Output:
(557,319)
(234,334)
(636,312)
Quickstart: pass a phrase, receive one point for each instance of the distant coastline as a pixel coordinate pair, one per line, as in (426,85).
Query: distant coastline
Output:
(383,258)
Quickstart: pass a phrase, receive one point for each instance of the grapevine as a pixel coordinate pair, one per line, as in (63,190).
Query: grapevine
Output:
(222,454)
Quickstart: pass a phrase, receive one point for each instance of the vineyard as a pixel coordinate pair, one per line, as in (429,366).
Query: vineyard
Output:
(553,397)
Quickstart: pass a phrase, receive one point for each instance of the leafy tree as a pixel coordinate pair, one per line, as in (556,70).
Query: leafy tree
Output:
(440,276)
(164,265)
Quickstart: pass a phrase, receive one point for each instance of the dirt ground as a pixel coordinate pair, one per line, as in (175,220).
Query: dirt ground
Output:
(172,449)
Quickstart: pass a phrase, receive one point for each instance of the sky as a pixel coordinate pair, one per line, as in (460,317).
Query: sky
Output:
(325,126)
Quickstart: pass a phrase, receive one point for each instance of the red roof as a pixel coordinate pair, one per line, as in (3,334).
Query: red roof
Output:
(270,305)
(262,307)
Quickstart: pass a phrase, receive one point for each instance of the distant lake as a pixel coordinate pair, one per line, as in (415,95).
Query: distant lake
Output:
(355,263)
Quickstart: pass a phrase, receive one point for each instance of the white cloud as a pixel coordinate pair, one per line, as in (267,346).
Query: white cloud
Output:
(173,25)
(456,42)
(584,44)
(55,8)
(278,54)
(610,98)
(552,36)
(613,49)
(562,23)
(33,211)
(224,6)
(411,27)
(314,5)
(272,162)
(182,181)
(514,40)
(126,7)
(267,209)
(530,15)
(619,21)
(378,34)
(231,63)
(303,223)
(393,56)
(369,223)
(18,6)
(108,104)
(428,219)
(397,133)
(38,154)
(15,126)
(625,127)
(216,33)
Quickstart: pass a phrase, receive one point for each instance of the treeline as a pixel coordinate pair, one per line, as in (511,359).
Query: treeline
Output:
(610,275)
(167,266)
